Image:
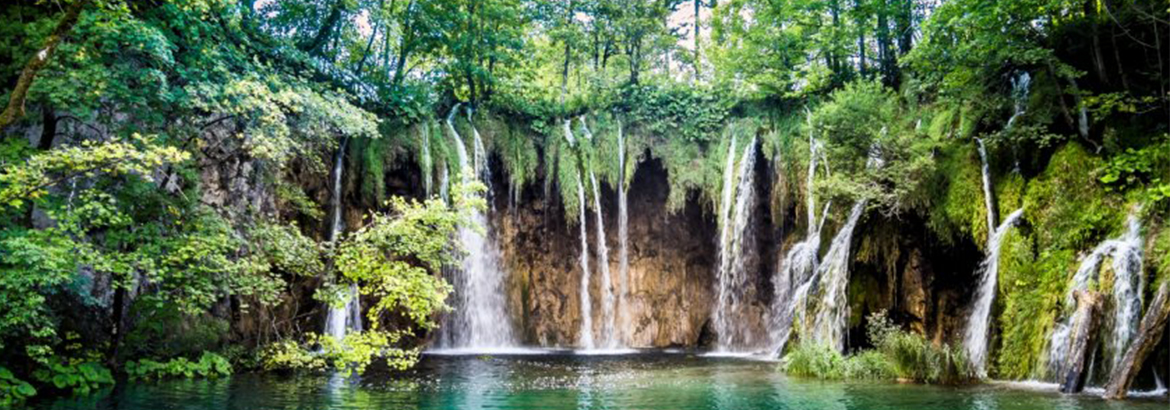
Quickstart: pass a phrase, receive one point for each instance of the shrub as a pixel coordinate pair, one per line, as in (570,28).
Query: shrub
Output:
(163,331)
(78,377)
(12,389)
(210,365)
(898,354)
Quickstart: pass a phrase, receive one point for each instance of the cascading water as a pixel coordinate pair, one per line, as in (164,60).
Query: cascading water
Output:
(1021,86)
(623,240)
(833,307)
(480,319)
(585,338)
(796,273)
(341,319)
(1126,255)
(609,337)
(425,161)
(732,279)
(975,335)
(988,200)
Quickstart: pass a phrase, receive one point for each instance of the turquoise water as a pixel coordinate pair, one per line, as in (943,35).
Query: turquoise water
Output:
(562,381)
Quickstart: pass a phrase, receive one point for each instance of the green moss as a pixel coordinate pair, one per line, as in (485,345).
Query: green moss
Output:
(958,207)
(1068,212)
(1067,205)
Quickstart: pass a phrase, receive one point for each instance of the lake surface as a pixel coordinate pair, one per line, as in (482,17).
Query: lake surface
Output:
(565,381)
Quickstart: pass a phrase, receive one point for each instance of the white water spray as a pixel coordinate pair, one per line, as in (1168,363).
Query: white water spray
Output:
(975,335)
(585,338)
(623,241)
(1021,86)
(1126,255)
(732,278)
(480,319)
(609,337)
(796,273)
(339,320)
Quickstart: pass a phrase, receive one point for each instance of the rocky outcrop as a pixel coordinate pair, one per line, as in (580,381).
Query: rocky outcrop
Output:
(671,265)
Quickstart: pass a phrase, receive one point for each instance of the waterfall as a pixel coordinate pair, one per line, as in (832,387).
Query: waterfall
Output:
(975,335)
(732,279)
(585,339)
(480,319)
(608,319)
(829,324)
(1021,86)
(1126,255)
(833,308)
(425,161)
(623,241)
(444,183)
(340,319)
(795,275)
(988,200)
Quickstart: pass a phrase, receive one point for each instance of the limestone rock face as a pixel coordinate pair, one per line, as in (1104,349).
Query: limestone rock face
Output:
(671,266)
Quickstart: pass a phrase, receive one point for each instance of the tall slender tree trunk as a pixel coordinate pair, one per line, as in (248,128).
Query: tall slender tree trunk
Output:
(316,45)
(15,108)
(698,28)
(885,45)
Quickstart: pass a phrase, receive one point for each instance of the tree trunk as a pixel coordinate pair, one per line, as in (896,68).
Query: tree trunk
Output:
(698,4)
(117,317)
(48,128)
(1083,341)
(1150,332)
(315,45)
(904,24)
(885,45)
(15,108)
(404,46)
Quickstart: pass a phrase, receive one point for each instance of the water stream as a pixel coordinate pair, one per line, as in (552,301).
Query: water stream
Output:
(795,276)
(585,339)
(623,319)
(1118,330)
(735,215)
(480,319)
(975,335)
(339,320)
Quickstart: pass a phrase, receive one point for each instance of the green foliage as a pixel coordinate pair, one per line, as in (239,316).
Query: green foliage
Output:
(209,365)
(163,331)
(284,248)
(860,122)
(13,390)
(76,376)
(688,113)
(31,180)
(958,210)
(350,355)
(914,358)
(1141,169)
(1067,205)
(897,355)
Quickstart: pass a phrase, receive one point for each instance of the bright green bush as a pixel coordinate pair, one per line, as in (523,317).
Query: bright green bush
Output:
(897,355)
(161,331)
(12,389)
(209,365)
(69,375)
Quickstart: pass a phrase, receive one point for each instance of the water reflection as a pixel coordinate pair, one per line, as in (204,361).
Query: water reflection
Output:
(565,382)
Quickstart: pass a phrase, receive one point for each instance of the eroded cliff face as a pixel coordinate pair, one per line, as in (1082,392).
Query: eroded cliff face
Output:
(673,257)
(671,265)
